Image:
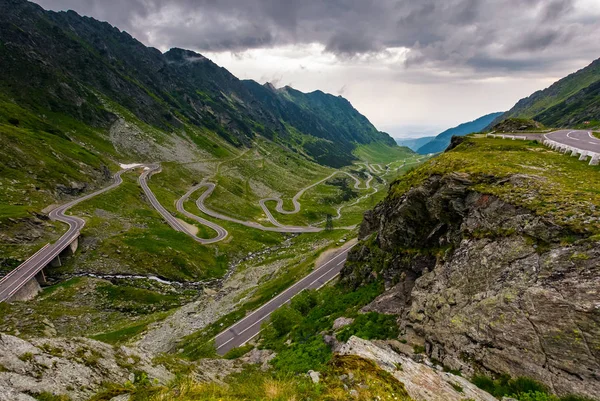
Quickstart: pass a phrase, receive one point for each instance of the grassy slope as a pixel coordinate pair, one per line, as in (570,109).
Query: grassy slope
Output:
(86,307)
(370,383)
(559,91)
(381,153)
(557,185)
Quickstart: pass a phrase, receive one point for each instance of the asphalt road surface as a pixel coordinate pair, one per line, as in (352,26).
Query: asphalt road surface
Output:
(221,232)
(583,140)
(17,278)
(172,220)
(204,209)
(210,187)
(249,327)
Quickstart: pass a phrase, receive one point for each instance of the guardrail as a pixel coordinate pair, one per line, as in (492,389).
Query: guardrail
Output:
(560,147)
(513,137)
(16,269)
(566,149)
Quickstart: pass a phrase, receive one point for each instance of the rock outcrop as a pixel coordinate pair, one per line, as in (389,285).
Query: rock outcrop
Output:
(73,367)
(422,382)
(490,287)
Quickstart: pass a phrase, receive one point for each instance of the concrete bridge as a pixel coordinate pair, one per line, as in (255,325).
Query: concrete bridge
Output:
(24,282)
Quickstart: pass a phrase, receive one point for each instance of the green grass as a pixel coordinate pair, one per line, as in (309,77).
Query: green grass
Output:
(564,89)
(254,384)
(129,331)
(235,353)
(371,326)
(45,396)
(36,156)
(521,389)
(381,153)
(138,241)
(303,321)
(557,186)
(114,313)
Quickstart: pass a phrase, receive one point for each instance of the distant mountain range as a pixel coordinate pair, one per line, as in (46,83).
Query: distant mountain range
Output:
(414,143)
(441,142)
(573,101)
(61,62)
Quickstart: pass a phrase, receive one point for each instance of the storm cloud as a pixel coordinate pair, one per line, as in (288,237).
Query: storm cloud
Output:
(418,62)
(477,34)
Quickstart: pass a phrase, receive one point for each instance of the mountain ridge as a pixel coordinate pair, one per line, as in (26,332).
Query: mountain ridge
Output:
(73,60)
(441,141)
(414,143)
(569,102)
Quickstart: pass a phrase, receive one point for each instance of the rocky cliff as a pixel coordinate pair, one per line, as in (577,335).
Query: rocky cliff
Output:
(491,286)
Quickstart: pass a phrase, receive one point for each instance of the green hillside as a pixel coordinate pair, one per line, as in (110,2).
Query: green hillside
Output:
(569,102)
(78,97)
(441,142)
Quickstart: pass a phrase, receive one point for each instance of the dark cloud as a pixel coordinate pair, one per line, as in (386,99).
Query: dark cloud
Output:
(483,35)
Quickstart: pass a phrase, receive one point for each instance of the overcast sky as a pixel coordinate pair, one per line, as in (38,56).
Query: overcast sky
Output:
(410,66)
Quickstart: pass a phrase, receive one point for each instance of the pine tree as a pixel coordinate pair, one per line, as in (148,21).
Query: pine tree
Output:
(329,223)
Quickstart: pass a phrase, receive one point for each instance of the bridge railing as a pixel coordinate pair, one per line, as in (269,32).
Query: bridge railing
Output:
(46,260)
(16,269)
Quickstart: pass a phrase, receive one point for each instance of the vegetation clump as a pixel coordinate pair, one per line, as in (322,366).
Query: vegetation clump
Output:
(371,326)
(295,331)
(525,174)
(521,389)
(343,378)
(518,125)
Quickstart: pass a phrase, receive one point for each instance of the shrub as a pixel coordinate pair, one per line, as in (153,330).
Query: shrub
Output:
(304,302)
(371,326)
(302,357)
(237,352)
(418,349)
(284,319)
(45,396)
(521,388)
(536,396)
(457,387)
(573,397)
(26,357)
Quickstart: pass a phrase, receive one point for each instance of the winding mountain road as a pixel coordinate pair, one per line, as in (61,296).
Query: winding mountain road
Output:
(17,278)
(279,207)
(175,223)
(204,209)
(221,232)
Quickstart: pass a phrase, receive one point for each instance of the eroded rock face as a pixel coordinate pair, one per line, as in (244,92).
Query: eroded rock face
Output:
(75,367)
(489,286)
(423,383)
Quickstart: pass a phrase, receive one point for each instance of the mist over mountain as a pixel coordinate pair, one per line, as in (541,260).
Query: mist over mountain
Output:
(414,143)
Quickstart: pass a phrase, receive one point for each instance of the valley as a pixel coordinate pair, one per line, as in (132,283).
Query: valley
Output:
(171,232)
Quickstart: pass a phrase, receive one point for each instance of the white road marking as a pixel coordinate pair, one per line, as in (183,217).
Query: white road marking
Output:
(284,291)
(268,315)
